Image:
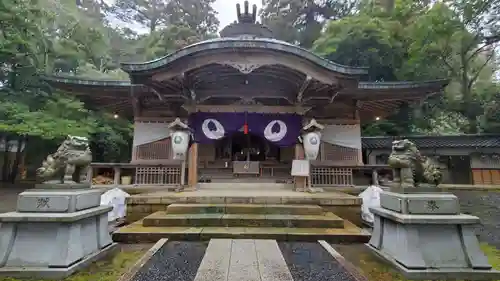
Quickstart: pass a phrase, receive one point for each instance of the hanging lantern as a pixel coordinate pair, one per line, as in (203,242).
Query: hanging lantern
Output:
(245,129)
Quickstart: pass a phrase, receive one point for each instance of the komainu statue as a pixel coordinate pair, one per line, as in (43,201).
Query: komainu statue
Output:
(410,167)
(69,164)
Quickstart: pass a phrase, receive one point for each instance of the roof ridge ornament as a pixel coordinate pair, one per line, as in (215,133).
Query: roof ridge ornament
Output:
(246,27)
(246,17)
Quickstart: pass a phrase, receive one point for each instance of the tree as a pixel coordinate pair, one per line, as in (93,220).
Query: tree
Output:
(364,40)
(462,35)
(152,14)
(300,22)
(156,14)
(197,15)
(167,40)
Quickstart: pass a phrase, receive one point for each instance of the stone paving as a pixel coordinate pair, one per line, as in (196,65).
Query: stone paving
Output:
(242,260)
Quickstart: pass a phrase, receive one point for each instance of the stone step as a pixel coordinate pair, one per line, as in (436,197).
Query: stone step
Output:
(137,233)
(245,209)
(243,184)
(329,220)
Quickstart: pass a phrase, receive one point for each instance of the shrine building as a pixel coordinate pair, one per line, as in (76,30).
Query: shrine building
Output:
(245,100)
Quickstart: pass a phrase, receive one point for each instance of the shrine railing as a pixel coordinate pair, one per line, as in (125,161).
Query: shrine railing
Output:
(330,173)
(169,172)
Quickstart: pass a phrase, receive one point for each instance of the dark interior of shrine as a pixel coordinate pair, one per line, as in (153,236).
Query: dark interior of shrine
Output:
(243,147)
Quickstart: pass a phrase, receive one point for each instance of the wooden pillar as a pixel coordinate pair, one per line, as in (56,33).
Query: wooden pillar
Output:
(193,165)
(357,106)
(300,182)
(117,175)
(375,177)
(299,152)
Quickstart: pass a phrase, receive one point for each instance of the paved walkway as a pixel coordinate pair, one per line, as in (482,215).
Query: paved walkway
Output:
(245,260)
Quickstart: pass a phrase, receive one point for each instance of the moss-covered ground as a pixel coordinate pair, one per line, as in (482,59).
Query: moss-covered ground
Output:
(109,269)
(376,270)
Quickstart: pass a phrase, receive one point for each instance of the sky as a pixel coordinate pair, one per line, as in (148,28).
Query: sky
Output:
(226,10)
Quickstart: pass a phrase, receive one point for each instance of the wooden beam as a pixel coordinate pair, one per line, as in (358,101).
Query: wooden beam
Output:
(303,88)
(334,95)
(186,88)
(242,108)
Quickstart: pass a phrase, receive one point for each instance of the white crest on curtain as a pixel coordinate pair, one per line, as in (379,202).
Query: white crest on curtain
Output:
(148,132)
(342,135)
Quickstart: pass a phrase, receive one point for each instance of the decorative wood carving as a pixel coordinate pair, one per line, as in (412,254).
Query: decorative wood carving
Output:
(245,68)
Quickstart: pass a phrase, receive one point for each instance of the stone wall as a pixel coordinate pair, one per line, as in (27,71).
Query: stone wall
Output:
(485,205)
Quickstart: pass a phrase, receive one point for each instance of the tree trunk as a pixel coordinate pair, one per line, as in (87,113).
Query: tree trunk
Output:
(19,156)
(5,166)
(467,105)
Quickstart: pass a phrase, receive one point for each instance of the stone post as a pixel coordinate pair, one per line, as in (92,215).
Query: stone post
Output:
(422,233)
(58,228)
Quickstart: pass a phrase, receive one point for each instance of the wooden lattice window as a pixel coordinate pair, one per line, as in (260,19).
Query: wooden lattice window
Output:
(337,153)
(158,176)
(158,150)
(330,176)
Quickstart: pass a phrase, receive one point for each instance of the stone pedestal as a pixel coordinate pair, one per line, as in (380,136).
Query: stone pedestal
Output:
(53,233)
(425,237)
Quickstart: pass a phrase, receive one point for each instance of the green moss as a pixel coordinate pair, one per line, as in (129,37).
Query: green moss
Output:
(376,270)
(106,270)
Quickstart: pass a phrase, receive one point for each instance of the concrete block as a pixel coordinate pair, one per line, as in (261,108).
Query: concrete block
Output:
(52,244)
(419,203)
(51,273)
(58,201)
(430,246)
(215,263)
(243,264)
(425,219)
(271,263)
(54,217)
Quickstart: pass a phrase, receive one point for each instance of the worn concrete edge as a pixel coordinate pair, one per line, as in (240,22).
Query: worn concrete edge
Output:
(345,264)
(53,217)
(435,274)
(130,274)
(58,273)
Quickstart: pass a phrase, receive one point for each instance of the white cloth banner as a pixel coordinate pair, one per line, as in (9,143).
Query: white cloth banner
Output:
(148,132)
(371,199)
(342,135)
(116,198)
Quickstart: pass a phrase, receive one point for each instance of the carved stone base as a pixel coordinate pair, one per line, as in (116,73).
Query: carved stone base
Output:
(53,233)
(425,237)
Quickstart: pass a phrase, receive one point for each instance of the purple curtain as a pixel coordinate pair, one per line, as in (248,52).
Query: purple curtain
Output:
(280,129)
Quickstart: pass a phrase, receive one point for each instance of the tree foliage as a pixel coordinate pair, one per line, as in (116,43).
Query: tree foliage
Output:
(423,40)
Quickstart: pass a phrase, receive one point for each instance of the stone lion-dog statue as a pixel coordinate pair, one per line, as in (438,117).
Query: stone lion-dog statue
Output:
(69,164)
(410,167)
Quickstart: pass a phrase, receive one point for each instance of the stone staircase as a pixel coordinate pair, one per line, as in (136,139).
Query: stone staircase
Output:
(249,221)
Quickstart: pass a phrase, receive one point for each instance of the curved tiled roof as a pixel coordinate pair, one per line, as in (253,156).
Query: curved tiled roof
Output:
(447,141)
(236,44)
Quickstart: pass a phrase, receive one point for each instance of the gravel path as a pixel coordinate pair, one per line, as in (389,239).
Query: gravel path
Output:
(177,260)
(485,205)
(310,262)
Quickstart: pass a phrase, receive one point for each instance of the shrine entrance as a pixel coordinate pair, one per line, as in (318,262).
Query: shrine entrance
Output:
(246,147)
